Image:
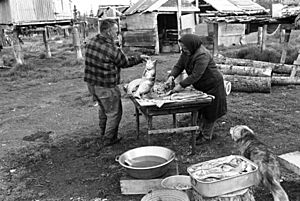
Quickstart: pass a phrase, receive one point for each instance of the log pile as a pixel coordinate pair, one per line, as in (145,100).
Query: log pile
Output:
(257,76)
(249,84)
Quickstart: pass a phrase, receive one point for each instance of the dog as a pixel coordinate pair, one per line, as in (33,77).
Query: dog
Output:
(268,166)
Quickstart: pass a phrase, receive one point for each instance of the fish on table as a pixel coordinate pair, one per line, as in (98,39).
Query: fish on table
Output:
(146,87)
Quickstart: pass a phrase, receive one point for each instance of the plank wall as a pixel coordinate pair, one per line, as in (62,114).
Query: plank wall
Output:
(141,31)
(21,11)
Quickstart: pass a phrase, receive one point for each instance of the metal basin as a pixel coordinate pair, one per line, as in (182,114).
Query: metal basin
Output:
(146,162)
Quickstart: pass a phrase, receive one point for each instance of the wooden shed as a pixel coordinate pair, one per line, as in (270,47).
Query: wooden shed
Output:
(153,24)
(229,31)
(20,12)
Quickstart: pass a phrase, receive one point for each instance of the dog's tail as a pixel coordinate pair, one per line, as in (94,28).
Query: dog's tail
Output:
(275,188)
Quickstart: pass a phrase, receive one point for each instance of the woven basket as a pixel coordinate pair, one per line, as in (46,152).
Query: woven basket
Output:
(166,195)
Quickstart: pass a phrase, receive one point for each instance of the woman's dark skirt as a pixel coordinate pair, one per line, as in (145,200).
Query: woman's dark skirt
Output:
(219,106)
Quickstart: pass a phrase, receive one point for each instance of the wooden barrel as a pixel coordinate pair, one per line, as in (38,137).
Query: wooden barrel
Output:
(241,195)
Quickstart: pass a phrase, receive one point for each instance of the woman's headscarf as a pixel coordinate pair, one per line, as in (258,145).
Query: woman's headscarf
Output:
(191,41)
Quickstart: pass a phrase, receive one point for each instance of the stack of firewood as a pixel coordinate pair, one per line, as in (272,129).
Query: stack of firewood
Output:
(257,76)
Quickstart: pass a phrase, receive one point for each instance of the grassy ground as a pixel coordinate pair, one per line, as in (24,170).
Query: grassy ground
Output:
(272,52)
(46,113)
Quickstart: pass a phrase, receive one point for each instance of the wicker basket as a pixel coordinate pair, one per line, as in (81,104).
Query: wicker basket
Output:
(166,195)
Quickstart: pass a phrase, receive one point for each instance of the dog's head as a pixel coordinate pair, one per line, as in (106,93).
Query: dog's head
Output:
(239,131)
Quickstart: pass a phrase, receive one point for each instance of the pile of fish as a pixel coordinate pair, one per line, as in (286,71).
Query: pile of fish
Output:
(147,89)
(219,170)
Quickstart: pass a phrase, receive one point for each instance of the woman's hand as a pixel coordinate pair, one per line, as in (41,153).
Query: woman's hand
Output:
(177,88)
(169,84)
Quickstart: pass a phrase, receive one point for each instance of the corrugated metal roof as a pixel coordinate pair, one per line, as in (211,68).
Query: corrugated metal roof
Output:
(155,5)
(34,11)
(175,9)
(248,5)
(140,6)
(224,6)
(236,6)
(160,5)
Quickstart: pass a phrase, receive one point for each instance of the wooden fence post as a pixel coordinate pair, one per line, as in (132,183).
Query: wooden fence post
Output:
(76,43)
(156,49)
(264,38)
(66,33)
(259,36)
(1,38)
(179,18)
(215,39)
(45,39)
(285,45)
(98,26)
(17,49)
(282,34)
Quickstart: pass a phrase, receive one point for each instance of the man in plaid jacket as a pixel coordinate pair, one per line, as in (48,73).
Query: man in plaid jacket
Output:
(103,63)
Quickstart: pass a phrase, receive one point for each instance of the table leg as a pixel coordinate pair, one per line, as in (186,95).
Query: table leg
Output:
(137,118)
(194,123)
(174,121)
(149,121)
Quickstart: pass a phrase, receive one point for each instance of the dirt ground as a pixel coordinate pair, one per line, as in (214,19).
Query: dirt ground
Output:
(47,116)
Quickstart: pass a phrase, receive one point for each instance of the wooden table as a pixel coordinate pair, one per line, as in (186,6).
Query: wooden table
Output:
(168,108)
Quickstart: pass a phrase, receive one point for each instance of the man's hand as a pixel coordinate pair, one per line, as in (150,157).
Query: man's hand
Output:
(144,57)
(169,84)
(177,88)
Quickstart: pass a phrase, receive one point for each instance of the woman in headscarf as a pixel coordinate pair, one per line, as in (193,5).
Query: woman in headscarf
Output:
(204,76)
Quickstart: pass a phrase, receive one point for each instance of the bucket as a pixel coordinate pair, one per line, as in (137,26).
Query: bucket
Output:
(179,182)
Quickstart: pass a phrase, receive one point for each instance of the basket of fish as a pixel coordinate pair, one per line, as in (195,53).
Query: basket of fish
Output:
(223,175)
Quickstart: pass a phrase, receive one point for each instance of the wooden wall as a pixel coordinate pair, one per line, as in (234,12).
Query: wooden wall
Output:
(21,11)
(188,21)
(229,34)
(141,32)
(63,8)
(143,21)
(139,38)
(5,11)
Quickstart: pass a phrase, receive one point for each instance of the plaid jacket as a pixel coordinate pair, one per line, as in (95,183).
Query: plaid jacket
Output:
(103,62)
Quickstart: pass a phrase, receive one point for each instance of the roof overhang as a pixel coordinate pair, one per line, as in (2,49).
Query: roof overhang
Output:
(236,7)
(183,9)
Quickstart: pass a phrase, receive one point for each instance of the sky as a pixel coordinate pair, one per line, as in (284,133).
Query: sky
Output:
(85,6)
